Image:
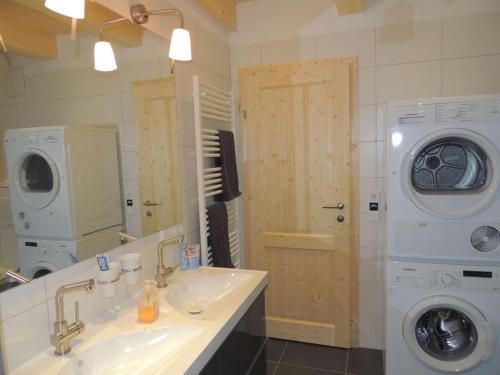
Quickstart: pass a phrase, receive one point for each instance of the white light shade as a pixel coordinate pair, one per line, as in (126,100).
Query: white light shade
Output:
(104,57)
(70,8)
(180,45)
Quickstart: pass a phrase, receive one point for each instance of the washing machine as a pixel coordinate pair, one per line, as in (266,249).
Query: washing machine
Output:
(41,257)
(64,181)
(442,319)
(38,257)
(443,180)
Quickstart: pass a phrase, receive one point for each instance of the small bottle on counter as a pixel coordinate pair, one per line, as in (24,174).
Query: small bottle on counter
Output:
(148,309)
(183,258)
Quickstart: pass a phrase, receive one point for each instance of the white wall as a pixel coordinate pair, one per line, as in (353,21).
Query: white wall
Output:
(407,49)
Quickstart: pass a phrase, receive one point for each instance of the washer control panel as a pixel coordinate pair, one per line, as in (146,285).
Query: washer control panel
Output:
(443,276)
(471,278)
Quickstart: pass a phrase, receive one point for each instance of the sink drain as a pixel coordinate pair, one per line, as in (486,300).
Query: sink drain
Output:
(195,309)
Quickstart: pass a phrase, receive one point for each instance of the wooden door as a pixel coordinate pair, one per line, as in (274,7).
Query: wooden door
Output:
(297,131)
(157,153)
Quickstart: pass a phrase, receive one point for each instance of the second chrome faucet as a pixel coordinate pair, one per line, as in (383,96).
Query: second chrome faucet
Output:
(162,272)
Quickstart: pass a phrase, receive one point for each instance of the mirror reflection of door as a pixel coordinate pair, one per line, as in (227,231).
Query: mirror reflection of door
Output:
(158,164)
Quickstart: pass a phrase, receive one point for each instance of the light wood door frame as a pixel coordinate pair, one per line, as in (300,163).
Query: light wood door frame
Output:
(346,336)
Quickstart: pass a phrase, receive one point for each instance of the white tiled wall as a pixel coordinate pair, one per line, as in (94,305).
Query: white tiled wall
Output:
(437,56)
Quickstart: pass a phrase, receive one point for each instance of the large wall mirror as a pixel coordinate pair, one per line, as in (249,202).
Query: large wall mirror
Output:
(88,159)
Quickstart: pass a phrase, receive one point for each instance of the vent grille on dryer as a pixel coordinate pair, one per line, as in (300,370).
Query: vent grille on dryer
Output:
(485,239)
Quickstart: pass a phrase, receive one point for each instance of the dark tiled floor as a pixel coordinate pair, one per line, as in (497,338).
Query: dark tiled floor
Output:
(280,357)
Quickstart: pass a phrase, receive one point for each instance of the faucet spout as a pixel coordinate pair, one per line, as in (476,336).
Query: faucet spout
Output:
(162,272)
(83,286)
(64,332)
(17,276)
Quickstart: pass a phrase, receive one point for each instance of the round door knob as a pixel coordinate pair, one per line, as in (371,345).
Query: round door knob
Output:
(340,218)
(447,279)
(149,213)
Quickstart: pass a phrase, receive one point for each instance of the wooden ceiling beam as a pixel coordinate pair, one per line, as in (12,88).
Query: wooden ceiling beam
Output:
(349,6)
(28,41)
(223,11)
(28,17)
(124,33)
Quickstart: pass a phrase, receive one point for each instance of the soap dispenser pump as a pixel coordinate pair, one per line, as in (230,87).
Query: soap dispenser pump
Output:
(148,308)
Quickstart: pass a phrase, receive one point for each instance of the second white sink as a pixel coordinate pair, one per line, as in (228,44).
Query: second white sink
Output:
(197,294)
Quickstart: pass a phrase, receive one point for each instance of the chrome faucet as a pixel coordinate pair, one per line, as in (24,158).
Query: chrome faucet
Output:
(162,272)
(17,276)
(63,332)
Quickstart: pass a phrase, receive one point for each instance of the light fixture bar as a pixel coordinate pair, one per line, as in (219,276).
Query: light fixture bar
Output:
(109,22)
(180,42)
(140,14)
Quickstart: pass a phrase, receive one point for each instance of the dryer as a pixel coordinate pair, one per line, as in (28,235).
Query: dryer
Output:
(443,180)
(64,181)
(442,319)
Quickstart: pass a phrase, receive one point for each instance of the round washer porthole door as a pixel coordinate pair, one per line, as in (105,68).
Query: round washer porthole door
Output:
(451,173)
(447,334)
(36,178)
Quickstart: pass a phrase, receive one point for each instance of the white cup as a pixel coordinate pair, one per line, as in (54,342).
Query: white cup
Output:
(131,267)
(108,280)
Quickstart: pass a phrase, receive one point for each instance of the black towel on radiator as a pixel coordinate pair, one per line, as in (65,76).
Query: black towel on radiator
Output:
(227,162)
(219,235)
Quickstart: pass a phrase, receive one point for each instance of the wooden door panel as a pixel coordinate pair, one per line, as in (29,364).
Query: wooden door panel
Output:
(297,134)
(156,137)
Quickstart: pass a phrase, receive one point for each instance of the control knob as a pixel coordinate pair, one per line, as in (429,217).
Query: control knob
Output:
(447,279)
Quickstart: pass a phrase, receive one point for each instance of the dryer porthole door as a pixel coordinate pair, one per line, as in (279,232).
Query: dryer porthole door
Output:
(447,334)
(36,178)
(451,173)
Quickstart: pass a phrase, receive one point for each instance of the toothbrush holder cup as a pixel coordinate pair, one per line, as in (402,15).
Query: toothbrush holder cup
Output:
(108,280)
(131,267)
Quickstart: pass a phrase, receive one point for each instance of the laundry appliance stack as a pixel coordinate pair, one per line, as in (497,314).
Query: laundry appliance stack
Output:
(64,187)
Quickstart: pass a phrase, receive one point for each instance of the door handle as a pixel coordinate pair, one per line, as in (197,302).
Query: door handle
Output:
(338,206)
(149,203)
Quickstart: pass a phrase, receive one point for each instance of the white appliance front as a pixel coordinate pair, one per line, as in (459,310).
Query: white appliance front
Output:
(443,180)
(442,319)
(64,181)
(40,257)
(36,164)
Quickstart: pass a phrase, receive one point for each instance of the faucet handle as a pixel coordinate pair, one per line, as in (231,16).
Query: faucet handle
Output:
(77,312)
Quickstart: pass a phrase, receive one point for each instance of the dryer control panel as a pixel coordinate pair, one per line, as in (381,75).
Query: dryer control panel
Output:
(447,111)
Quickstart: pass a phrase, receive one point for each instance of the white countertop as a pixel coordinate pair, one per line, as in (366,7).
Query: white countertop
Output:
(192,356)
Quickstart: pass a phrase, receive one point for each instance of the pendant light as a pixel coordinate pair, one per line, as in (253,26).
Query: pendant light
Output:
(69,8)
(180,45)
(104,57)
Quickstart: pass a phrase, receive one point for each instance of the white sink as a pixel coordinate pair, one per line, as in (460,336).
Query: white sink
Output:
(129,354)
(196,294)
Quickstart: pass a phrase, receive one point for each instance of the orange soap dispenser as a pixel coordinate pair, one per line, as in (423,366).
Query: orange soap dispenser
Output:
(148,309)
